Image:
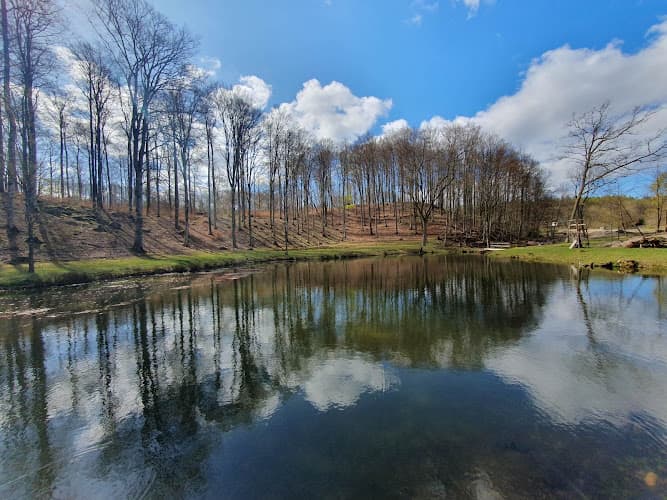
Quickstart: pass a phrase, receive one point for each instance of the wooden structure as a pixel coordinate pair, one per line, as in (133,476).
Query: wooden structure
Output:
(577,232)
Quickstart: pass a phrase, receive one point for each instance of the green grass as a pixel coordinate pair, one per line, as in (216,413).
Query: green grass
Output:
(84,271)
(649,259)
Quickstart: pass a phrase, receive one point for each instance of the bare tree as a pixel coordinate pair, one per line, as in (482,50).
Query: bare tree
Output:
(603,147)
(11,134)
(345,160)
(274,125)
(150,53)
(428,172)
(324,158)
(251,153)
(239,119)
(208,111)
(62,103)
(184,107)
(659,190)
(97,87)
(34,22)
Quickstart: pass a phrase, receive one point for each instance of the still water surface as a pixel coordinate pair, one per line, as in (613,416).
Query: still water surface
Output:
(396,377)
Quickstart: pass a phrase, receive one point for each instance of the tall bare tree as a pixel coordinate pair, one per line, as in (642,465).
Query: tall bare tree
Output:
(429,171)
(251,166)
(324,158)
(150,53)
(97,87)
(11,228)
(274,125)
(603,147)
(185,102)
(239,119)
(208,111)
(34,28)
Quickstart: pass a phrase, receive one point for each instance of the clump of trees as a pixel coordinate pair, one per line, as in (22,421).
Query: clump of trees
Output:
(155,132)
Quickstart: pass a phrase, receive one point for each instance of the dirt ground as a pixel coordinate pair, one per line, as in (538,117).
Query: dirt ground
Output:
(72,230)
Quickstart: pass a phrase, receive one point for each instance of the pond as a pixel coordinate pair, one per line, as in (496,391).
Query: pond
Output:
(418,377)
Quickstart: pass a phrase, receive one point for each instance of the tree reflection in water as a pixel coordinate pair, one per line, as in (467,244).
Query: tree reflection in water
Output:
(149,386)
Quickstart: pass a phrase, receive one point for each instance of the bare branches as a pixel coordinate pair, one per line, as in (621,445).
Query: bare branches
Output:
(151,55)
(239,119)
(603,147)
(185,102)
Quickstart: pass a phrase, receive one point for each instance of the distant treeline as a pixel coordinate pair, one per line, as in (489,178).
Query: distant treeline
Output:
(613,212)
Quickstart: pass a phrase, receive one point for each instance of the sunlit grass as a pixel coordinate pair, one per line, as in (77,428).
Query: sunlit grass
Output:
(83,271)
(649,259)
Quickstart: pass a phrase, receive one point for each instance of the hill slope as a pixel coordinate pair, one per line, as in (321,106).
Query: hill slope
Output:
(72,230)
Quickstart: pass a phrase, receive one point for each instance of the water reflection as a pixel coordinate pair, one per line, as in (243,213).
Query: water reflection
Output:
(617,371)
(400,377)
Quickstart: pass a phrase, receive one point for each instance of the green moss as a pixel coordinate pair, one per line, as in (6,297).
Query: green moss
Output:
(648,259)
(84,271)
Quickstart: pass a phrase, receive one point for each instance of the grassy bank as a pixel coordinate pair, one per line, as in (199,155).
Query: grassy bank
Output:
(85,271)
(652,260)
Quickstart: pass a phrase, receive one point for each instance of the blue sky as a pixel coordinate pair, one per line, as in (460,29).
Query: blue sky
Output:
(520,69)
(455,62)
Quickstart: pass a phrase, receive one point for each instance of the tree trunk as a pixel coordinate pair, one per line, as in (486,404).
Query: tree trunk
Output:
(79,182)
(140,134)
(215,191)
(62,154)
(344,207)
(249,193)
(234,245)
(272,210)
(30,164)
(176,200)
(67,185)
(98,160)
(106,161)
(3,169)
(148,180)
(424,231)
(130,169)
(208,171)
(12,231)
(186,199)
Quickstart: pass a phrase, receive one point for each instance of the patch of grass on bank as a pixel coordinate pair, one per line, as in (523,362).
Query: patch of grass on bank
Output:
(85,271)
(648,259)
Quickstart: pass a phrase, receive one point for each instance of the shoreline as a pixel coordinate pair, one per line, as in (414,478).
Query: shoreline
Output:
(16,277)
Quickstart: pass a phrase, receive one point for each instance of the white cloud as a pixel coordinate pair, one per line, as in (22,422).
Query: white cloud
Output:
(333,112)
(253,89)
(609,373)
(391,128)
(425,5)
(567,81)
(472,5)
(436,122)
(421,8)
(340,382)
(211,65)
(415,20)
